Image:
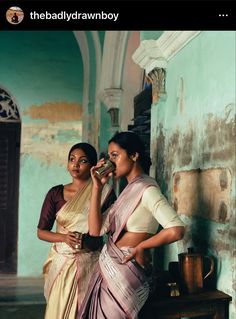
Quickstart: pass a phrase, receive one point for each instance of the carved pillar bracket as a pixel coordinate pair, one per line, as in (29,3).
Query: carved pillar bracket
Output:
(111,97)
(157,77)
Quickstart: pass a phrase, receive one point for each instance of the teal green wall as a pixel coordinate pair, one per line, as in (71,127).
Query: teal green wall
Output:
(193,127)
(41,68)
(105,130)
(42,64)
(150,35)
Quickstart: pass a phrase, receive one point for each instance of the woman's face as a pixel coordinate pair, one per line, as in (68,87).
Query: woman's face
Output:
(78,164)
(124,163)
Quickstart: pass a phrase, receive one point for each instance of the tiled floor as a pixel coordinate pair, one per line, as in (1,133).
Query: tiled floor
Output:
(21,298)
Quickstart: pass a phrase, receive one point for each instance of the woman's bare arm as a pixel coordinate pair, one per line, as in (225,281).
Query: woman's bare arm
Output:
(164,237)
(95,217)
(53,237)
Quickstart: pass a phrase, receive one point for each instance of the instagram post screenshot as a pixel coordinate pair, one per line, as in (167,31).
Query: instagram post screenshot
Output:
(117,159)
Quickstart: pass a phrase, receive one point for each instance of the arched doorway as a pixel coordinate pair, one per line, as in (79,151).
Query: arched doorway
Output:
(10,130)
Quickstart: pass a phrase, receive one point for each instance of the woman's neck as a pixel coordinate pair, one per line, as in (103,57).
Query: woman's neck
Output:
(133,174)
(79,183)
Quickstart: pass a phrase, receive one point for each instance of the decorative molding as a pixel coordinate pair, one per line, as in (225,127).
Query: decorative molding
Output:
(149,55)
(8,108)
(111,97)
(156,53)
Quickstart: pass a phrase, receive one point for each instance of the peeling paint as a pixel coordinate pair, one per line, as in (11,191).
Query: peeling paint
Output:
(160,160)
(232,235)
(188,139)
(221,245)
(176,182)
(179,151)
(223,180)
(219,138)
(50,143)
(222,212)
(56,111)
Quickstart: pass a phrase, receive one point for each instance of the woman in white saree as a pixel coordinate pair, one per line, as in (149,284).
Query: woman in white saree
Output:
(74,253)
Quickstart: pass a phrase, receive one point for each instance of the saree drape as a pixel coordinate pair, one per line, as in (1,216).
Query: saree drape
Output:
(118,290)
(67,271)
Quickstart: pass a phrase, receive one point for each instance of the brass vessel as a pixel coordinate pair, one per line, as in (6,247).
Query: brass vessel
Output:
(191,271)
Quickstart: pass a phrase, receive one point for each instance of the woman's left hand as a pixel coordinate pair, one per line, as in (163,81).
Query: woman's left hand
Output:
(138,254)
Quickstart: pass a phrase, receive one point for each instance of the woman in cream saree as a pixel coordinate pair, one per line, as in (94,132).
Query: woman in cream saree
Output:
(74,253)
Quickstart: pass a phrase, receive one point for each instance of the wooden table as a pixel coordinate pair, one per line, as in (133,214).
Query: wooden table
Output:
(209,304)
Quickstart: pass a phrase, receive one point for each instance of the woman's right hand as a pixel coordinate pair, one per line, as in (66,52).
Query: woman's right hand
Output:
(70,239)
(97,182)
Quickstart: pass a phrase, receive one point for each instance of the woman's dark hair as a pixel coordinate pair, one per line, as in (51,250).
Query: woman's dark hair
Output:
(132,143)
(89,151)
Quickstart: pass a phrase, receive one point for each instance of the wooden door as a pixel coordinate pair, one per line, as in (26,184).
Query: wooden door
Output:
(9,191)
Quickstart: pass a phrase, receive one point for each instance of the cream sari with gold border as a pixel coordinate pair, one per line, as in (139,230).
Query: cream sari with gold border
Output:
(68,271)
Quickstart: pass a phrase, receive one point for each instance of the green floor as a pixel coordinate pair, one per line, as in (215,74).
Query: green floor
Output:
(22,312)
(21,298)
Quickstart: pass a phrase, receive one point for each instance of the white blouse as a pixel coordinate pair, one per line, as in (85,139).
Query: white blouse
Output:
(152,210)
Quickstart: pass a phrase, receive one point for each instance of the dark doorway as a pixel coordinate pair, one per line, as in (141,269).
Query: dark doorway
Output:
(9,191)
(142,116)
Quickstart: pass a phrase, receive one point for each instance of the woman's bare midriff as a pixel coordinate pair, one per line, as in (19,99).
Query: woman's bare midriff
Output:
(130,239)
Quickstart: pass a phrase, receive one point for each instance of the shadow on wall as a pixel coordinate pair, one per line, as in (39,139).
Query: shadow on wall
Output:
(203,196)
(200,232)
(203,193)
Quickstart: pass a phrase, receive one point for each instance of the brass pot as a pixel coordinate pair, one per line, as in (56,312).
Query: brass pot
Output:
(191,271)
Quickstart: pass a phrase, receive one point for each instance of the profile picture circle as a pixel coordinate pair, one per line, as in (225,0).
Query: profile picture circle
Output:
(14,15)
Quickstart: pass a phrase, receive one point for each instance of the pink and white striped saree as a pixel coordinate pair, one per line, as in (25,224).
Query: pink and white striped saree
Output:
(118,290)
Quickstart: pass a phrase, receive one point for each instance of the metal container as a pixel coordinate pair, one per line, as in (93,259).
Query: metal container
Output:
(191,271)
(105,169)
(78,236)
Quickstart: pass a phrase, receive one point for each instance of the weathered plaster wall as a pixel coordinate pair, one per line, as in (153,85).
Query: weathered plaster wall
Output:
(43,70)
(193,130)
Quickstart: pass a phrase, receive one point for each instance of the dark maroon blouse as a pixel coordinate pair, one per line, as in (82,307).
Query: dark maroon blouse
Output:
(53,202)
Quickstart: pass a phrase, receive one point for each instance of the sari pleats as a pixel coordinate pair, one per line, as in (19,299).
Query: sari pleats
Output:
(63,297)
